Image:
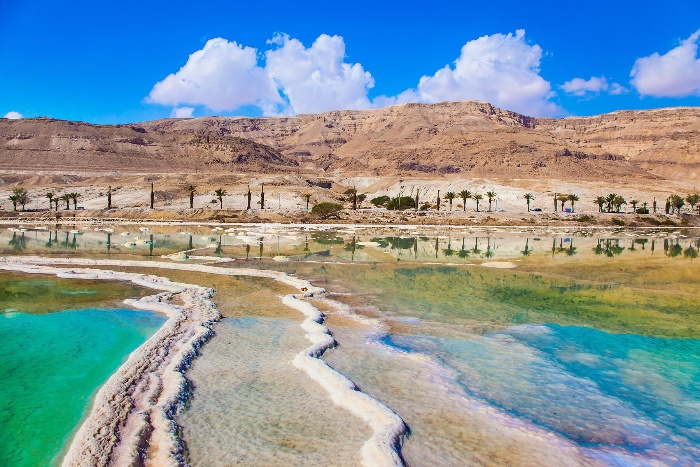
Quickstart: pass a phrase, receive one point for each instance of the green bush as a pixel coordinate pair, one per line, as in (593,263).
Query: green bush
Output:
(406,203)
(584,218)
(617,221)
(380,200)
(425,206)
(642,211)
(326,210)
(668,222)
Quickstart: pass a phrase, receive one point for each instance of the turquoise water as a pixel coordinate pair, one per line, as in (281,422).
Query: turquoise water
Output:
(617,396)
(50,367)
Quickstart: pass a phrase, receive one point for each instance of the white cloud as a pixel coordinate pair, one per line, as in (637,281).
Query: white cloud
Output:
(616,89)
(182,112)
(501,69)
(222,76)
(674,74)
(594,85)
(317,79)
(13,115)
(579,86)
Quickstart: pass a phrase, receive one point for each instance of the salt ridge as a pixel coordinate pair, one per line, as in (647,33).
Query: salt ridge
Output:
(165,391)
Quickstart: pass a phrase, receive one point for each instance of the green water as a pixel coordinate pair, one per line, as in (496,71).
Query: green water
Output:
(50,368)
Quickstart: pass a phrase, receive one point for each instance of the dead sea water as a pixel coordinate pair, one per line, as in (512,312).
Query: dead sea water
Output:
(53,360)
(586,353)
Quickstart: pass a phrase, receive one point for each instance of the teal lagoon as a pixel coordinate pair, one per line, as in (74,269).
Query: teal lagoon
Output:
(51,365)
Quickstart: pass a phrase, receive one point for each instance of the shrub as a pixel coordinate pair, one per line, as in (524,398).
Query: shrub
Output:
(584,218)
(642,211)
(406,203)
(668,222)
(425,206)
(617,221)
(380,200)
(326,210)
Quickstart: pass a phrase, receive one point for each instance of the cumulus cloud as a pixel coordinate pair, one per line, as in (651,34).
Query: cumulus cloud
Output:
(674,74)
(579,86)
(502,69)
(594,85)
(317,79)
(182,112)
(13,115)
(222,76)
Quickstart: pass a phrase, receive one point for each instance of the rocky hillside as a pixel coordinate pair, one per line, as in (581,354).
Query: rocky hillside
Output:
(466,139)
(47,144)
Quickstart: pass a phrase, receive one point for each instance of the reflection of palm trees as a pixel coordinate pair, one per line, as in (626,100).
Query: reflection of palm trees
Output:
(18,243)
(476,249)
(674,250)
(109,242)
(572,249)
(262,246)
(437,246)
(463,253)
(690,253)
(189,244)
(598,250)
(306,245)
(489,253)
(218,250)
(641,241)
(51,241)
(527,251)
(448,251)
(247,251)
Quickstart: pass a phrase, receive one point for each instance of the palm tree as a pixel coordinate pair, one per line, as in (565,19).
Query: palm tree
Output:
(220,193)
(676,201)
(563,199)
(634,204)
(465,194)
(618,201)
(66,198)
(610,201)
(262,196)
(450,195)
(190,189)
(490,195)
(477,198)
(50,196)
(573,198)
(528,198)
(600,201)
(693,200)
(306,195)
(13,197)
(20,196)
(109,198)
(74,197)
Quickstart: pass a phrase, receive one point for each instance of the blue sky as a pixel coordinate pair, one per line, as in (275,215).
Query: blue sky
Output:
(118,62)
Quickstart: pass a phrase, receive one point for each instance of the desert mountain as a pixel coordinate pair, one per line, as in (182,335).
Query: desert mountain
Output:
(466,139)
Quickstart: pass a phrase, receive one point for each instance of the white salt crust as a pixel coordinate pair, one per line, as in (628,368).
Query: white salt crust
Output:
(134,411)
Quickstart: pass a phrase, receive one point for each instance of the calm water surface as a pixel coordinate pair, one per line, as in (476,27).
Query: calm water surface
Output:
(52,363)
(586,352)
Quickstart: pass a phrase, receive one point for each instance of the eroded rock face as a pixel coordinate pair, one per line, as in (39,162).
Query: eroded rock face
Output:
(472,139)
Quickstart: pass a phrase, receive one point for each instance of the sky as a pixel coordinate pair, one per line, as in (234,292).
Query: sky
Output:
(124,62)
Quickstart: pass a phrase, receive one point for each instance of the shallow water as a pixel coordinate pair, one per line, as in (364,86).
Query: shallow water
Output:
(251,406)
(585,353)
(51,366)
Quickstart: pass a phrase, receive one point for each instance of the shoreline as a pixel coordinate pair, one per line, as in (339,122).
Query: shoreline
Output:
(135,431)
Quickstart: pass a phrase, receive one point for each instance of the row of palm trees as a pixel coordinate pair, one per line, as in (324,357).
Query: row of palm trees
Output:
(66,197)
(465,195)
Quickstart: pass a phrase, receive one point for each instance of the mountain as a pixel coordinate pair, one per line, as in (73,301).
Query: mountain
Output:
(466,139)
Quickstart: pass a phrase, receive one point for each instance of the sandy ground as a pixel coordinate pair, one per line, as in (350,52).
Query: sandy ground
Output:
(285,200)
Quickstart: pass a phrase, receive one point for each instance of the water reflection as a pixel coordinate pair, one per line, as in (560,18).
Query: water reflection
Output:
(340,245)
